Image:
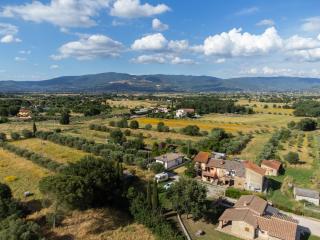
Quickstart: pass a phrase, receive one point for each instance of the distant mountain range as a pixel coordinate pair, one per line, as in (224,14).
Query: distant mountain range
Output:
(121,82)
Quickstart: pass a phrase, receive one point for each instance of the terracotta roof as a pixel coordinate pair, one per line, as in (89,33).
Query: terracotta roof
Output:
(202,157)
(245,215)
(229,165)
(274,164)
(254,167)
(252,202)
(279,226)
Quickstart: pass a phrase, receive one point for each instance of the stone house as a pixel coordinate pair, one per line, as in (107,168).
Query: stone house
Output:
(255,177)
(170,160)
(253,218)
(272,167)
(24,113)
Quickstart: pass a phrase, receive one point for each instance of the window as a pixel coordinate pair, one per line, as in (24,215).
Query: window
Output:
(246,229)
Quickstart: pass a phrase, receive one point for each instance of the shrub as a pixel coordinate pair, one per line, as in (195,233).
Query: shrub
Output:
(27,133)
(15,136)
(157,167)
(134,124)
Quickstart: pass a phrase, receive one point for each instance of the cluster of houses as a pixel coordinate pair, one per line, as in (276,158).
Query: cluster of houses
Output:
(179,113)
(24,114)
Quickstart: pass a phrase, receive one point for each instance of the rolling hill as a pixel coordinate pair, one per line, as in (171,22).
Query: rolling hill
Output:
(122,82)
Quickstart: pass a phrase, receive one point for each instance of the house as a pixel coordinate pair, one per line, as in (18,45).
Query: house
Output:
(254,177)
(225,172)
(201,160)
(183,112)
(236,173)
(272,167)
(308,195)
(161,110)
(253,218)
(170,160)
(24,113)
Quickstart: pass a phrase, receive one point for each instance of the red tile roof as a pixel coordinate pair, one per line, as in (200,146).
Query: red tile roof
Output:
(254,167)
(274,164)
(202,157)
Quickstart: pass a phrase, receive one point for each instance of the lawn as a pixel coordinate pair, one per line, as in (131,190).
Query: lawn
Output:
(301,176)
(24,174)
(209,229)
(51,150)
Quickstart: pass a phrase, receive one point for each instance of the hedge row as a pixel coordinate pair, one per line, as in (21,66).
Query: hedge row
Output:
(32,156)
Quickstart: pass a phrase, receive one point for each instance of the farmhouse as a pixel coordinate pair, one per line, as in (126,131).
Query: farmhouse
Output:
(255,177)
(201,160)
(170,160)
(24,114)
(308,195)
(252,217)
(272,167)
(183,112)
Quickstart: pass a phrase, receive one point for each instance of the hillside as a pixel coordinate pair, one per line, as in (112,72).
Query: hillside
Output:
(121,82)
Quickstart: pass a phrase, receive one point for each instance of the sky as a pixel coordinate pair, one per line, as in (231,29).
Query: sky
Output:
(222,38)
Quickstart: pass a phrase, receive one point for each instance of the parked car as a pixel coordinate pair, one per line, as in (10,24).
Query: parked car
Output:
(161,177)
(168,185)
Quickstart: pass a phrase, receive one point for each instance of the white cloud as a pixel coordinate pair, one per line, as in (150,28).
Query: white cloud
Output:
(89,47)
(54,66)
(307,55)
(161,59)
(8,33)
(248,11)
(157,25)
(151,42)
(266,22)
(311,24)
(220,60)
(134,9)
(178,45)
(62,13)
(146,59)
(25,52)
(9,39)
(300,43)
(20,59)
(235,43)
(272,71)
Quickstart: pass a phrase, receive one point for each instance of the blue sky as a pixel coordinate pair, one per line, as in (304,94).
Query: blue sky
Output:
(48,38)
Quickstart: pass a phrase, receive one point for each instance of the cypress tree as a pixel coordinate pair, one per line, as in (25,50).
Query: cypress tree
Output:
(155,196)
(149,197)
(34,128)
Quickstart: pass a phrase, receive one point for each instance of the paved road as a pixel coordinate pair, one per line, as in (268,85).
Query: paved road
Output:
(313,225)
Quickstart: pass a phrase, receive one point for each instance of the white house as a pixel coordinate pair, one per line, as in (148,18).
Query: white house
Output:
(308,195)
(183,112)
(170,160)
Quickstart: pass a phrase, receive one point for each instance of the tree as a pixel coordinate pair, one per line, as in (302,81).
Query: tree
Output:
(3,137)
(65,118)
(5,191)
(34,129)
(287,185)
(149,195)
(148,126)
(292,157)
(188,196)
(123,123)
(4,112)
(155,196)
(192,130)
(134,124)
(307,124)
(157,167)
(291,124)
(27,133)
(117,136)
(190,170)
(15,136)
(161,127)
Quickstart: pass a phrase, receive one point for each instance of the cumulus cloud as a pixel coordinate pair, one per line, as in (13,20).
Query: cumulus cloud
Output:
(90,47)
(178,45)
(157,25)
(220,60)
(134,9)
(151,42)
(8,33)
(162,59)
(62,13)
(299,43)
(235,43)
(266,22)
(311,24)
(20,59)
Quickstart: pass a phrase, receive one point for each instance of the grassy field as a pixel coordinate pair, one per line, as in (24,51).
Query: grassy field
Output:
(260,107)
(20,174)
(51,150)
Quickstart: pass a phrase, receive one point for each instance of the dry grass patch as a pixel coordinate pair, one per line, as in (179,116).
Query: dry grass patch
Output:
(100,224)
(61,154)
(26,174)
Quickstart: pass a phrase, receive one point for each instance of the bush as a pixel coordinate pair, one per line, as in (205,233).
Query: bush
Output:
(307,124)
(134,124)
(3,137)
(15,136)
(27,133)
(148,127)
(191,130)
(292,158)
(157,167)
